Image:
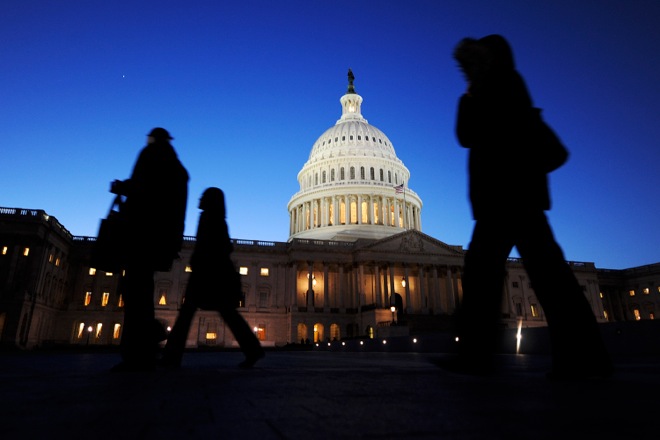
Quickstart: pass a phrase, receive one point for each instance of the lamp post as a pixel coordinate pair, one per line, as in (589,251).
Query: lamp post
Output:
(89,332)
(393,310)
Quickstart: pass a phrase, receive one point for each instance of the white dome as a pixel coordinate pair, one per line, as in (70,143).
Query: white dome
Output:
(352,137)
(348,184)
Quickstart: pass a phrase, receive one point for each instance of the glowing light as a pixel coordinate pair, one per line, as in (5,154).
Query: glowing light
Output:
(414,340)
(456,339)
(361,343)
(518,336)
(384,341)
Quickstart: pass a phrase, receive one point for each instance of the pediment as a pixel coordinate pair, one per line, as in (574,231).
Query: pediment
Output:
(413,242)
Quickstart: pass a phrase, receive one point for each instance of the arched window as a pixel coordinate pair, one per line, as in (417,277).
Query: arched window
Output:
(352,173)
(341,174)
(332,175)
(372,173)
(362,173)
(323,177)
(334,332)
(389,177)
(316,178)
(302,332)
(381,175)
(318,332)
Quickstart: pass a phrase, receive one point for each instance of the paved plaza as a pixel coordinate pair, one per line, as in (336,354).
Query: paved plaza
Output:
(319,394)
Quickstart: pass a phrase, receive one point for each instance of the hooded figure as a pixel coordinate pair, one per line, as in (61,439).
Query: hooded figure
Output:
(494,122)
(509,194)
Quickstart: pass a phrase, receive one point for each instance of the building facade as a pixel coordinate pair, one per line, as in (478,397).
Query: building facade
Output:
(356,265)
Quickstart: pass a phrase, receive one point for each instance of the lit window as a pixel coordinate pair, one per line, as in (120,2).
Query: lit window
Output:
(211,335)
(81,330)
(108,274)
(243,270)
(88,298)
(92,271)
(631,293)
(651,315)
(50,258)
(264,272)
(188,269)
(26,252)
(5,249)
(646,291)
(260,331)
(535,310)
(605,315)
(105,298)
(638,315)
(57,261)
(116,332)
(601,295)
(120,303)
(99,326)
(163,298)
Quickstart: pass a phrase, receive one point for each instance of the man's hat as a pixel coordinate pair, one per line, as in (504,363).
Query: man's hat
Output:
(160,133)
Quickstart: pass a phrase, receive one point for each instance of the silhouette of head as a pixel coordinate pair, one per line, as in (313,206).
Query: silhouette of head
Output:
(213,199)
(483,58)
(160,135)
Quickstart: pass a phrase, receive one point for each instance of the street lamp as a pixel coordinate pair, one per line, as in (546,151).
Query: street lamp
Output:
(90,329)
(393,310)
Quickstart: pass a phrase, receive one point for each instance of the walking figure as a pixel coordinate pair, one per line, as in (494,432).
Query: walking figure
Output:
(214,284)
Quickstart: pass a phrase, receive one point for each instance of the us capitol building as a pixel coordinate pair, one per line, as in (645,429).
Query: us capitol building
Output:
(356,265)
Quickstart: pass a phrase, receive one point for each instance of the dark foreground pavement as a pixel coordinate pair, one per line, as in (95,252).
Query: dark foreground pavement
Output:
(319,395)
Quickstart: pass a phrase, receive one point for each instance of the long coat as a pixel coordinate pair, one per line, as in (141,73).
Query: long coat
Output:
(494,122)
(155,206)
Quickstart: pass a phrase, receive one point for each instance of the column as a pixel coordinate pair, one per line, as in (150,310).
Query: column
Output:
(409,305)
(310,286)
(379,293)
(422,290)
(326,288)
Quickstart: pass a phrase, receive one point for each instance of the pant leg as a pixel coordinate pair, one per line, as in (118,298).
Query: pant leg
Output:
(138,343)
(176,341)
(574,332)
(244,335)
(483,277)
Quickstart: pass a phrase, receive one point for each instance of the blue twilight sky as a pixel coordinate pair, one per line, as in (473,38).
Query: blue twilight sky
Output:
(246,87)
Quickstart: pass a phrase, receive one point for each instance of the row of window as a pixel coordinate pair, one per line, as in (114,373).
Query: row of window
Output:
(352,137)
(645,291)
(352,175)
(243,270)
(5,251)
(95,331)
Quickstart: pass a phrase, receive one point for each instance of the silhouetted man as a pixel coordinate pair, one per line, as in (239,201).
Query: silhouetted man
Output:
(155,207)
(509,194)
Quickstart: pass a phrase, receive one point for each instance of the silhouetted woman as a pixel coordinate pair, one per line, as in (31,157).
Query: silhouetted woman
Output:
(214,284)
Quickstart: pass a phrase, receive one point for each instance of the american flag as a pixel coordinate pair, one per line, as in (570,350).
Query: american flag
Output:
(398,189)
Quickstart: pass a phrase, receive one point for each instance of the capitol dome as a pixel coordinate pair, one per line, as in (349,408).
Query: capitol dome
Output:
(353,185)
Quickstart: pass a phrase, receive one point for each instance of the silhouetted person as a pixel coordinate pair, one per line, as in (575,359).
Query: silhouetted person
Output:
(509,196)
(214,284)
(155,206)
